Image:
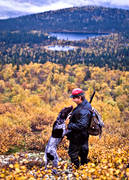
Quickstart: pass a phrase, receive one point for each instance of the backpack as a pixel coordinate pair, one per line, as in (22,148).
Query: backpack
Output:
(96,123)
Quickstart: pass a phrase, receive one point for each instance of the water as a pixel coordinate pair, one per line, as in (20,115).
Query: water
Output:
(60,48)
(73,36)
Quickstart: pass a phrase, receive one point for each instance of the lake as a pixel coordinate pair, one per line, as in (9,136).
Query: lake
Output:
(60,48)
(74,36)
(71,37)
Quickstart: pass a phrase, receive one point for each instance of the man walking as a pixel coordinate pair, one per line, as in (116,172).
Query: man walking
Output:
(78,128)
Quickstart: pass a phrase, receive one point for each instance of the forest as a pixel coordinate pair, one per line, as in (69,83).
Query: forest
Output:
(31,98)
(25,39)
(22,48)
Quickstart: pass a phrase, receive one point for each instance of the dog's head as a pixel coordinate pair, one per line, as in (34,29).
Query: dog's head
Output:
(65,111)
(57,131)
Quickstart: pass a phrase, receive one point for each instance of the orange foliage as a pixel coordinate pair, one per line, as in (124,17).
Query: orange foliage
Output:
(30,100)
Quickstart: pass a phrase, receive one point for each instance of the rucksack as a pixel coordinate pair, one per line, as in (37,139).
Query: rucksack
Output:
(96,123)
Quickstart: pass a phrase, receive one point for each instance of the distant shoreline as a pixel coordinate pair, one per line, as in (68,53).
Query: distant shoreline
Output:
(80,32)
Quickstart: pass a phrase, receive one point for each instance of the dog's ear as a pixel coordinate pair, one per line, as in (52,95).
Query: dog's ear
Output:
(71,108)
(63,115)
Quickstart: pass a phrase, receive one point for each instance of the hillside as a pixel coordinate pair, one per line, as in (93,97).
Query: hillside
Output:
(30,100)
(36,82)
(88,19)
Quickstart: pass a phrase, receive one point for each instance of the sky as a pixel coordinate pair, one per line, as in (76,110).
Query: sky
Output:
(15,8)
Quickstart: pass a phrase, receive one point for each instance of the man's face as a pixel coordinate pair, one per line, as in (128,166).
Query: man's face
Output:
(77,100)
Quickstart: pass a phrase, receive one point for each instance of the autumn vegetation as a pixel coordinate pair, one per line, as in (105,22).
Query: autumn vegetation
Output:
(35,84)
(30,100)
(19,48)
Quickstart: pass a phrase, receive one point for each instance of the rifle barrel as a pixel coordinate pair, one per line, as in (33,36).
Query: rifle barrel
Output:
(92,96)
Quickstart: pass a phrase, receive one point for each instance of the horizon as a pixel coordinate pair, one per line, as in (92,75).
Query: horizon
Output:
(16,8)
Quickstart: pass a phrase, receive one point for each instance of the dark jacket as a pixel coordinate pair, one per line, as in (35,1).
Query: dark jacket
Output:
(79,122)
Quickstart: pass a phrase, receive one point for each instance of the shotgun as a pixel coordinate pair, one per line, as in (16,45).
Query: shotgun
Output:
(92,97)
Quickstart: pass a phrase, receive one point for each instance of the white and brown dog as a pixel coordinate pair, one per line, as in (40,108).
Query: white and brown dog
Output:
(58,132)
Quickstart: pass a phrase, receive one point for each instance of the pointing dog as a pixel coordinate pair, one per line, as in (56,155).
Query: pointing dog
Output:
(58,132)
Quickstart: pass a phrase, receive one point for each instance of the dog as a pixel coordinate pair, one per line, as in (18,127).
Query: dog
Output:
(58,132)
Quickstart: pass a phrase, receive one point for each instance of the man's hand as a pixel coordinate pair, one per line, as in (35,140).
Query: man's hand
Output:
(67,120)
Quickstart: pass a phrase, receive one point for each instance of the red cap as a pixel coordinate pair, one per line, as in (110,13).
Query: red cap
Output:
(77,92)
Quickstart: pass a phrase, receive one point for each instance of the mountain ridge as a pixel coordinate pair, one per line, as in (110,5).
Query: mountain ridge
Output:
(86,19)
